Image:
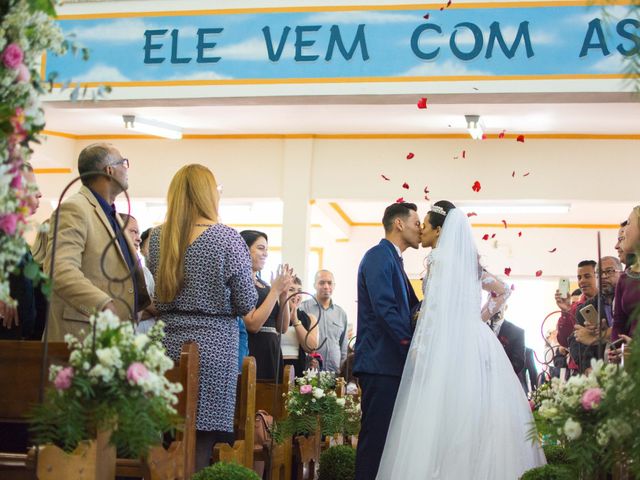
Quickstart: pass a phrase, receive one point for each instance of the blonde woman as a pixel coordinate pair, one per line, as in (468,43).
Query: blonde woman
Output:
(203,282)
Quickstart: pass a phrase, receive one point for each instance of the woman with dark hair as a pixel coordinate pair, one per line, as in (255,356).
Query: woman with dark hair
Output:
(299,339)
(268,319)
(460,410)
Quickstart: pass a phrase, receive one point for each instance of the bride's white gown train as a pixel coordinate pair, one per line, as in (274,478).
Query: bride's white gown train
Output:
(461,412)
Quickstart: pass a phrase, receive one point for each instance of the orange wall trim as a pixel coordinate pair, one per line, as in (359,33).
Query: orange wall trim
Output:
(344,8)
(343,136)
(41,171)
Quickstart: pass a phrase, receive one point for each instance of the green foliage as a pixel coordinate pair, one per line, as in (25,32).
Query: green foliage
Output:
(226,471)
(46,6)
(338,463)
(550,472)
(555,454)
(115,382)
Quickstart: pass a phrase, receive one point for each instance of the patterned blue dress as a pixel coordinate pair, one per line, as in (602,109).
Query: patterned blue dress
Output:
(218,287)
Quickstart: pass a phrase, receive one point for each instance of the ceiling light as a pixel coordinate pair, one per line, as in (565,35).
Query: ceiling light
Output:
(474,126)
(152,127)
(516,208)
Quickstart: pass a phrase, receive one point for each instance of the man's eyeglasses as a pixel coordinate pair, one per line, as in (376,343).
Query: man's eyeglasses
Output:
(609,272)
(124,162)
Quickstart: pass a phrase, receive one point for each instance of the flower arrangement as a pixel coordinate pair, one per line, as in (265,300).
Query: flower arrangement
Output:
(582,415)
(115,381)
(25,33)
(313,403)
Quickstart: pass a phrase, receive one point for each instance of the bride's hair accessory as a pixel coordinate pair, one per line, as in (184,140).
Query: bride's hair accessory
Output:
(439,210)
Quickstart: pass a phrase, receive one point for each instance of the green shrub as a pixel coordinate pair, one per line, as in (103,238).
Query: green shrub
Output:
(556,455)
(338,463)
(226,471)
(549,472)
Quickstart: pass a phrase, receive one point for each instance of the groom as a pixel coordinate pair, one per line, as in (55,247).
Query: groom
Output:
(386,302)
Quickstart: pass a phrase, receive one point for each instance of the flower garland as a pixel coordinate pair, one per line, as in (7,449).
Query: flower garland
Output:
(25,34)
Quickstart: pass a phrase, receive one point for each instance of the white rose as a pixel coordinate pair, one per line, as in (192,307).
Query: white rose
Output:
(572,429)
(340,401)
(318,393)
(140,341)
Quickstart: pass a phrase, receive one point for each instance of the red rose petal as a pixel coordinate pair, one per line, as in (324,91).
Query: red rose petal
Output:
(448,3)
(513,174)
(520,138)
(422,103)
(410,156)
(405,185)
(493,235)
(504,222)
(400,200)
(484,135)
(441,8)
(476,186)
(485,236)
(494,294)
(519,234)
(385,177)
(507,271)
(553,250)
(426,192)
(501,134)
(472,214)
(539,273)
(464,154)
(526,174)
(426,16)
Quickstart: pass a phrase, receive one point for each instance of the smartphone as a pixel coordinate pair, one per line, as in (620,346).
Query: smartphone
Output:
(564,287)
(614,345)
(590,315)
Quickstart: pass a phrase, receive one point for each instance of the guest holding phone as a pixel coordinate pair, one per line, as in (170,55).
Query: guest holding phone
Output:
(299,339)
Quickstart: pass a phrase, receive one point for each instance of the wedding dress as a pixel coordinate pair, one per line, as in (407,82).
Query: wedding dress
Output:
(461,412)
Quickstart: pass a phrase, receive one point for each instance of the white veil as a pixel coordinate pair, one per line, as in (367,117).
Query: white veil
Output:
(458,388)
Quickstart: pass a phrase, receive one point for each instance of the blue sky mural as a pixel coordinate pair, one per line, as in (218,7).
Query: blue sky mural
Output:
(360,43)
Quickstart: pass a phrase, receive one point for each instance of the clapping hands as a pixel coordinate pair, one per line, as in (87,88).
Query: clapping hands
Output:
(283,279)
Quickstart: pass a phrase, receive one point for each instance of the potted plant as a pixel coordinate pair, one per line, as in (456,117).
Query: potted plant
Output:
(226,471)
(112,395)
(338,463)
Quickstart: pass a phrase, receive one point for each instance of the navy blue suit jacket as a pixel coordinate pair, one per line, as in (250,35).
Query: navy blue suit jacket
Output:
(386,301)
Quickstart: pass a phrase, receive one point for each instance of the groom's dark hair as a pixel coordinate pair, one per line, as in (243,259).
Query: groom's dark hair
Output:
(396,210)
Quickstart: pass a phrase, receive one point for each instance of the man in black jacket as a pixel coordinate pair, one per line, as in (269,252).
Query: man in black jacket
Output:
(512,339)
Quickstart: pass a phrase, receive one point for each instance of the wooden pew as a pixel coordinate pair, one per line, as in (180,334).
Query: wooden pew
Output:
(278,458)
(20,368)
(178,462)
(244,420)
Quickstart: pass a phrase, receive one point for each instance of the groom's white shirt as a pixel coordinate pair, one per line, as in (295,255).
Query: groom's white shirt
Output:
(397,249)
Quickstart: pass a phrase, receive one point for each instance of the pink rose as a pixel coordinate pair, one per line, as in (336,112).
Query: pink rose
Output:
(591,398)
(12,56)
(9,222)
(16,182)
(64,378)
(532,405)
(136,372)
(306,389)
(24,75)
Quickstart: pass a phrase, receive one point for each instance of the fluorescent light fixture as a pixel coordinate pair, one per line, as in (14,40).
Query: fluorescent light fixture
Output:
(152,127)
(474,126)
(516,208)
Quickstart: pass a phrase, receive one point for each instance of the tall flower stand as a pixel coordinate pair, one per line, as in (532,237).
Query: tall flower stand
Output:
(91,460)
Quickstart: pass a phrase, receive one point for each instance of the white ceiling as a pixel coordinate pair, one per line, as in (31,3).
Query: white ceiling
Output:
(608,114)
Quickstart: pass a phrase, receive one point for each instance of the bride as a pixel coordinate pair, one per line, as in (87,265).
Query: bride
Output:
(461,412)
